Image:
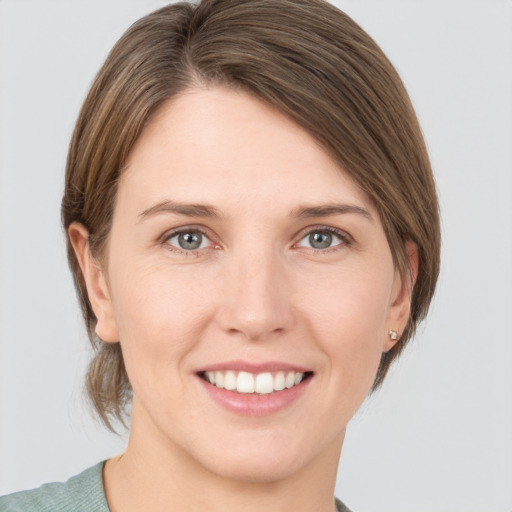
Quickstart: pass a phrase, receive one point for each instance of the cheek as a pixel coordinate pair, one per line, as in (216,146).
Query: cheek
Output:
(157,314)
(159,320)
(353,302)
(349,320)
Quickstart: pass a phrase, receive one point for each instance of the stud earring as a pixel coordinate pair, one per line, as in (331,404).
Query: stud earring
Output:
(393,335)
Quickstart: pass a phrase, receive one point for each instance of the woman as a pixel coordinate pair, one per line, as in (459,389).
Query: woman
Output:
(253,231)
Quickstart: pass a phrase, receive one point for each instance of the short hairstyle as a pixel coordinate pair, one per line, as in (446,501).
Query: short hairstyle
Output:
(305,58)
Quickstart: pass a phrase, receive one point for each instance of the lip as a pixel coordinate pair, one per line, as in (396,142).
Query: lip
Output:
(245,366)
(254,404)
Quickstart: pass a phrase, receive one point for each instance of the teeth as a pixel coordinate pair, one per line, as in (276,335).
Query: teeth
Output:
(230,381)
(244,383)
(290,380)
(279,381)
(264,383)
(219,379)
(261,383)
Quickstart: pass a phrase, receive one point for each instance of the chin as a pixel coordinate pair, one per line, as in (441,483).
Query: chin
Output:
(256,469)
(262,457)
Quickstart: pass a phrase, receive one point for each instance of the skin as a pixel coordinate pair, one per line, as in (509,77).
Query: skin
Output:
(255,290)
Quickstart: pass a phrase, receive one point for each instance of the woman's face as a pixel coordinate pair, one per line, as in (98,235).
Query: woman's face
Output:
(241,253)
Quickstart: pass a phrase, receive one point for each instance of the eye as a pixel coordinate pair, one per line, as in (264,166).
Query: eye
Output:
(188,240)
(323,239)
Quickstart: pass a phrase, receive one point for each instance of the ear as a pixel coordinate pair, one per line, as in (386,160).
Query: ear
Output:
(96,282)
(400,307)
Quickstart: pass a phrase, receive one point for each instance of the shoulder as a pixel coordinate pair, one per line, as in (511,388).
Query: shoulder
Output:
(82,493)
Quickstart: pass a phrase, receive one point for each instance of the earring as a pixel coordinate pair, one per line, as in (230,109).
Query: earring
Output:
(393,335)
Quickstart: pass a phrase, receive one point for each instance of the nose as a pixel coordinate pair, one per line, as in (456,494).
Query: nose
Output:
(256,297)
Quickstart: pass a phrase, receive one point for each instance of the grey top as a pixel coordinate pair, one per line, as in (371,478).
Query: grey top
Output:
(82,493)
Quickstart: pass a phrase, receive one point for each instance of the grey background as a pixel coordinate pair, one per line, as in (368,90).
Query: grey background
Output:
(438,436)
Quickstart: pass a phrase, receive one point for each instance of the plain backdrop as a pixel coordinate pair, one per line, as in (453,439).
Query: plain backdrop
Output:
(438,436)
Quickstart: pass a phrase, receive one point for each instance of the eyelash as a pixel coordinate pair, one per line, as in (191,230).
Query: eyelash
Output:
(345,240)
(187,230)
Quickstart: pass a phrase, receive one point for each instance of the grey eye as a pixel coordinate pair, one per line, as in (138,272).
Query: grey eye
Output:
(188,240)
(321,239)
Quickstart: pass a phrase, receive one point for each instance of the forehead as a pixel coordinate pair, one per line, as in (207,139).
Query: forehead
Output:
(227,147)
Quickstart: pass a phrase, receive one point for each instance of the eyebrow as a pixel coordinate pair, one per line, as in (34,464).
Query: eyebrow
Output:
(326,210)
(203,210)
(190,210)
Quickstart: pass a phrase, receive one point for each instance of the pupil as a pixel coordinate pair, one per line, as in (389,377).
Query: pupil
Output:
(190,241)
(320,240)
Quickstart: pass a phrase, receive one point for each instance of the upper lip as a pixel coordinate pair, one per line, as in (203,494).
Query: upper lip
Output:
(255,368)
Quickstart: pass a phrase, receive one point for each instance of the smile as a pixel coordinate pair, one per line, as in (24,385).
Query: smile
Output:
(249,383)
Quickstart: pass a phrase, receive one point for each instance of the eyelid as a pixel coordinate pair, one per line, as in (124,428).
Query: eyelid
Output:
(346,239)
(188,229)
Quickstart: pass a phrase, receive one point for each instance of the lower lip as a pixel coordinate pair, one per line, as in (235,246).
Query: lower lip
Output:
(250,404)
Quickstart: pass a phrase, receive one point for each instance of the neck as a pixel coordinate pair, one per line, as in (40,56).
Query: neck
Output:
(154,473)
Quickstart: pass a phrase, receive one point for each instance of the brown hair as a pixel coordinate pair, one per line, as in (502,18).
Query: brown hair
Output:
(307,59)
